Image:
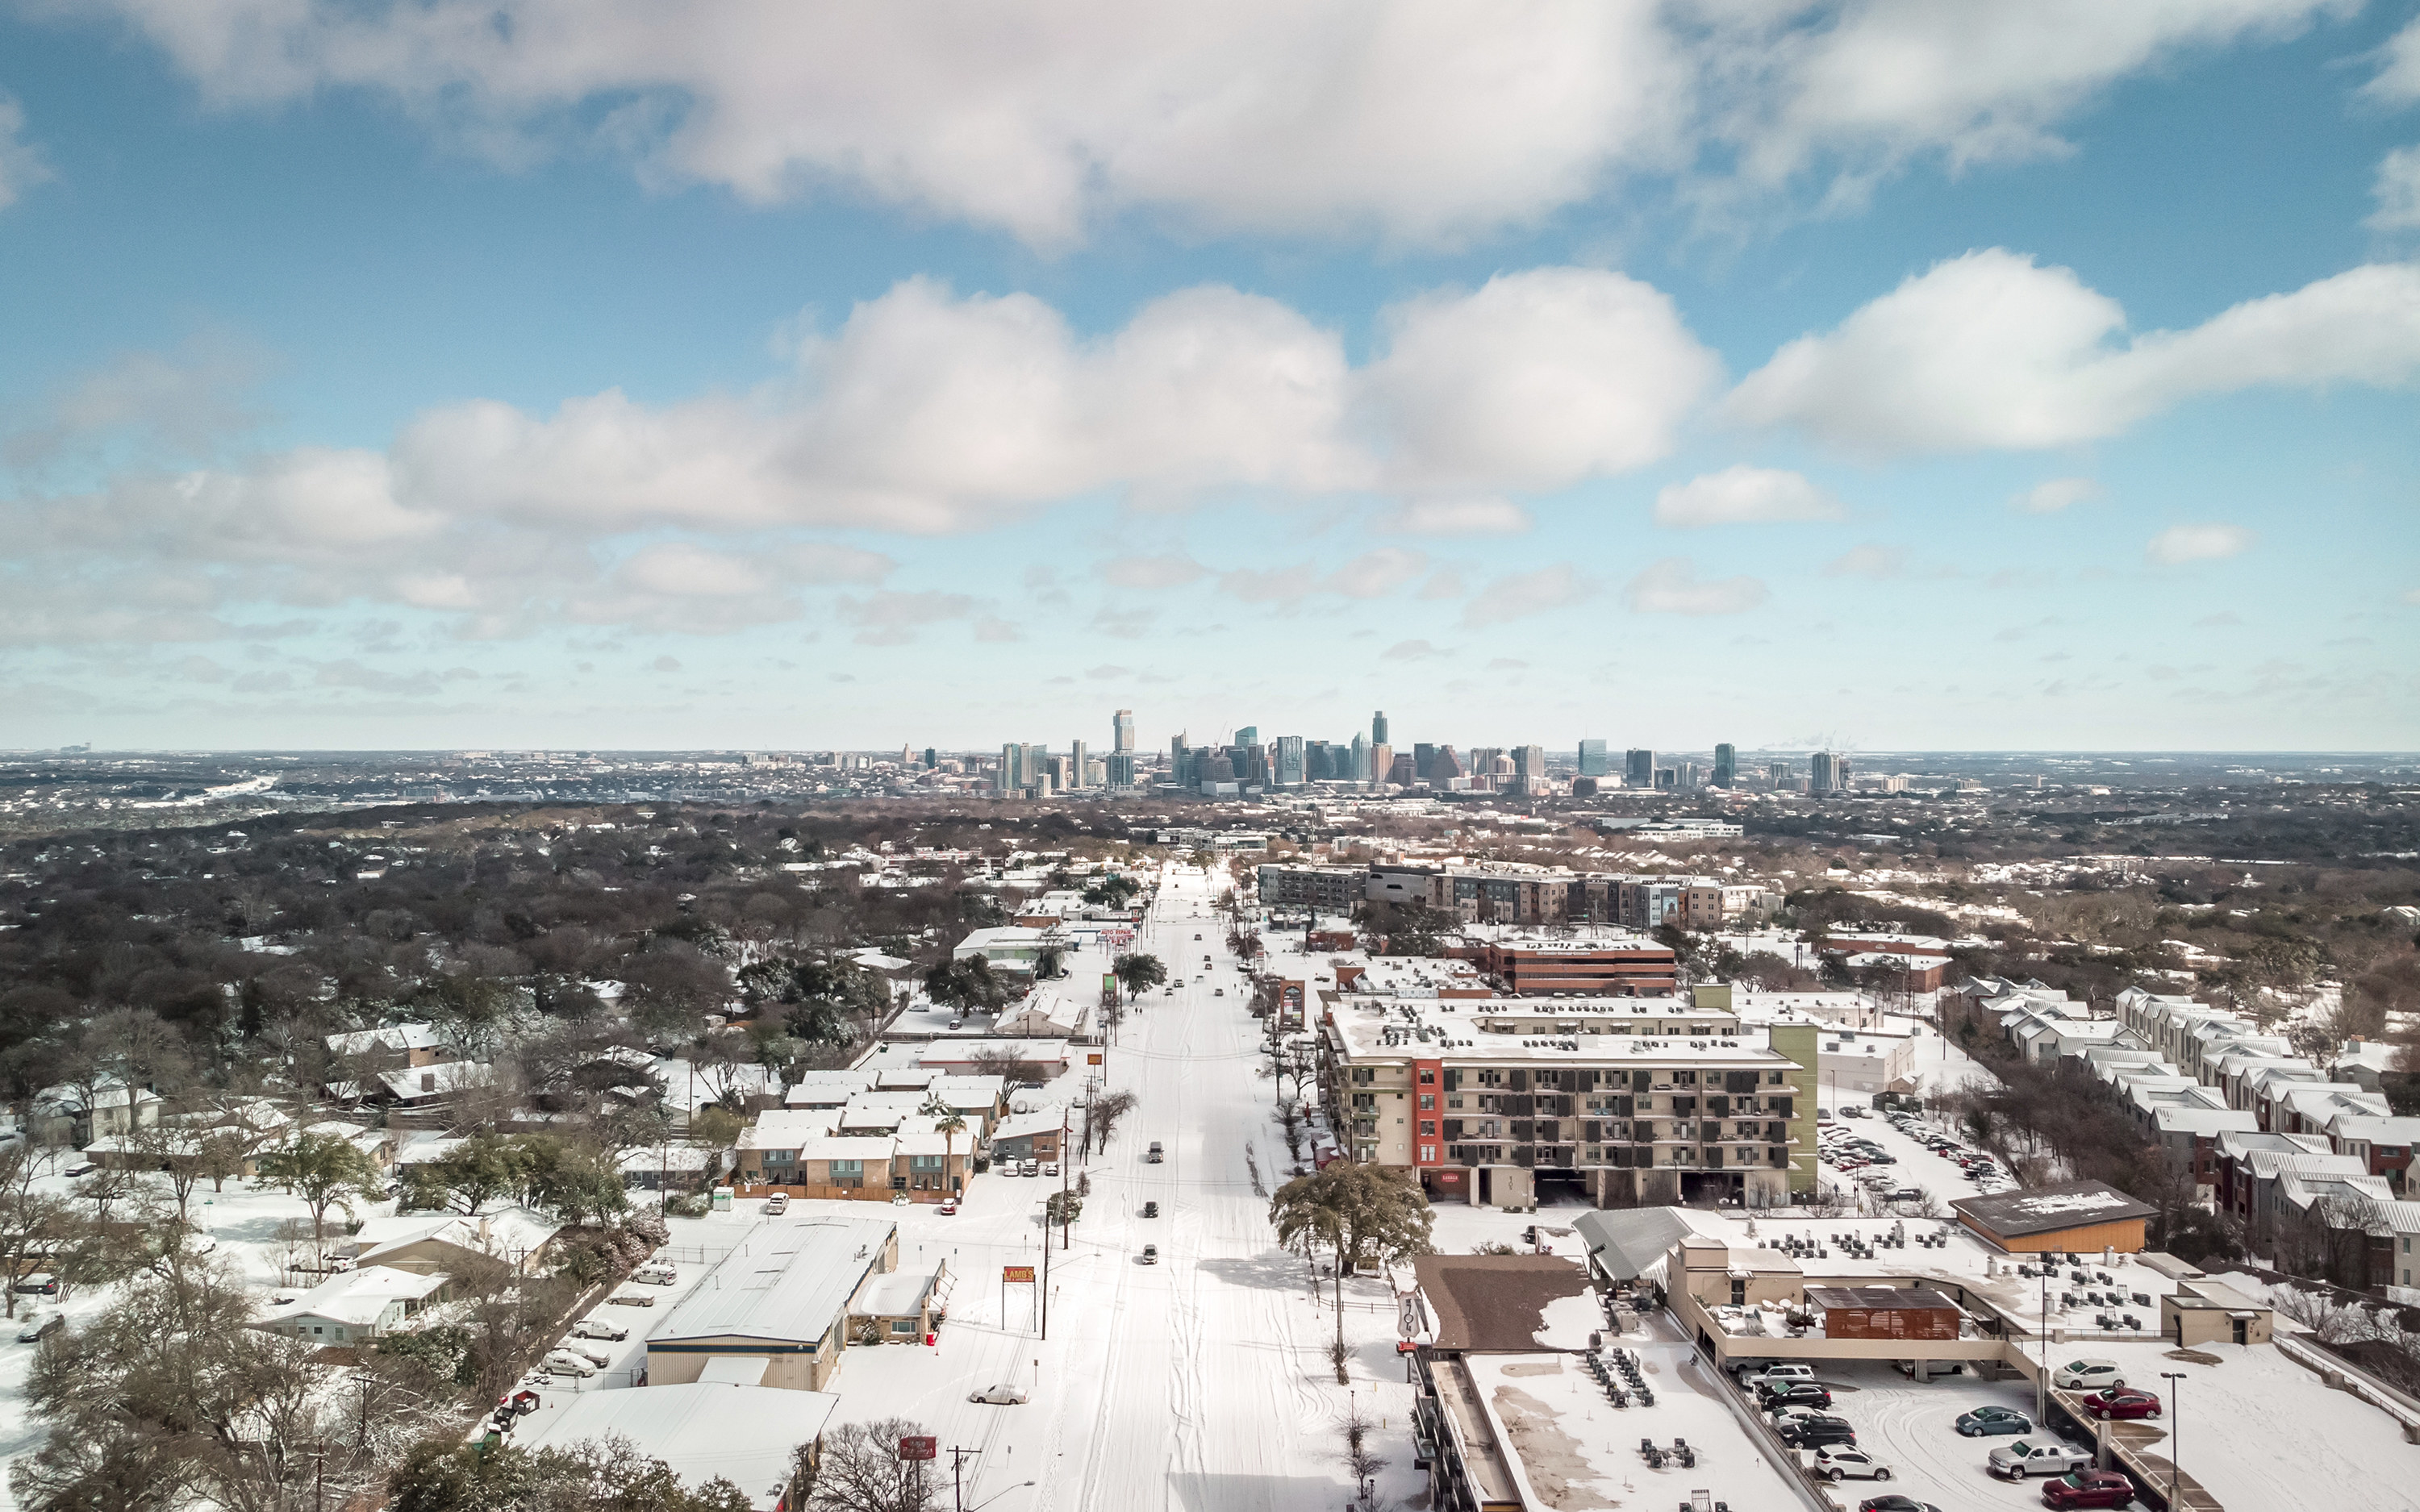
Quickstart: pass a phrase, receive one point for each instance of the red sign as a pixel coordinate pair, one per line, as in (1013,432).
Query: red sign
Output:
(920,1446)
(1017,1273)
(1093,1060)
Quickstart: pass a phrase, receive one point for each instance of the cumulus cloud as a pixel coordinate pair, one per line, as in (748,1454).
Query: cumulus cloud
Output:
(1991,350)
(1672,586)
(893,618)
(1535,381)
(2397,80)
(21,166)
(2058,495)
(1458,517)
(2198,543)
(1743,495)
(1411,651)
(2396,189)
(1152,571)
(1866,561)
(1520,594)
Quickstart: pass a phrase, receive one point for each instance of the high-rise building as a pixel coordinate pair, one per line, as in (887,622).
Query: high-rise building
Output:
(1725,766)
(1359,769)
(1639,770)
(1118,770)
(1398,769)
(1445,767)
(1684,774)
(1827,771)
(1180,762)
(1378,729)
(932,758)
(1382,762)
(1530,763)
(1423,758)
(1122,739)
(1777,773)
(1290,767)
(1249,735)
(1593,761)
(1076,766)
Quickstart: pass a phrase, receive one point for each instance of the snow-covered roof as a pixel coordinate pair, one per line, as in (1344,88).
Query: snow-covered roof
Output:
(2075,1205)
(742,1433)
(357,1297)
(396,1037)
(785,1282)
(410,1084)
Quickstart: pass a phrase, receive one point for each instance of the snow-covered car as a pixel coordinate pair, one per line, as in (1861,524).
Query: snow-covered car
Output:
(656,1274)
(2088,1375)
(1030,1168)
(565,1362)
(2037,1457)
(1839,1463)
(589,1352)
(39,1326)
(777,1203)
(1151,1255)
(597,1328)
(999,1396)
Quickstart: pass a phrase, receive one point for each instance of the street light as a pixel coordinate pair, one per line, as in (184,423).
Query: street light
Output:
(2175,1466)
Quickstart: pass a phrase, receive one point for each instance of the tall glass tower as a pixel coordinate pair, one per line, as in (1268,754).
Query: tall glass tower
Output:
(1378,729)
(1123,738)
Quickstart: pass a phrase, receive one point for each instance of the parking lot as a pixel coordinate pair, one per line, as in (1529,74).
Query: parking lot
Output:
(1868,1154)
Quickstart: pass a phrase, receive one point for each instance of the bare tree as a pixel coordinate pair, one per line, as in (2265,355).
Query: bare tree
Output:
(862,1471)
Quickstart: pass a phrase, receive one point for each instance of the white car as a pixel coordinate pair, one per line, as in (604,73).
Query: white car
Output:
(565,1362)
(2046,1457)
(999,1396)
(597,1328)
(2087,1375)
(1787,1373)
(657,1272)
(1838,1462)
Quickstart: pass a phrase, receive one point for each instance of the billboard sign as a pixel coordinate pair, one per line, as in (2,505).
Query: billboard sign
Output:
(1023,1274)
(920,1446)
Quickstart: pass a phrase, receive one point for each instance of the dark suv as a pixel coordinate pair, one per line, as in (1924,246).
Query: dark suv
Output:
(1815,1432)
(1796,1393)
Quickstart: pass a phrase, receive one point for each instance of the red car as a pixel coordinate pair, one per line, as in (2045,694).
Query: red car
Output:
(2088,1488)
(2122,1401)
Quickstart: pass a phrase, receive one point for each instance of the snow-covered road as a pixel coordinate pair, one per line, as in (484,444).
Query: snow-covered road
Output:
(1201,1382)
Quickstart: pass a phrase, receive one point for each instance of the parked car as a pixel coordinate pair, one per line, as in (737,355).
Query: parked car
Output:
(632,1299)
(40,1284)
(1991,1422)
(1151,1210)
(589,1352)
(656,1274)
(1895,1503)
(1151,1255)
(597,1328)
(1790,1413)
(2088,1488)
(2087,1375)
(39,1326)
(1031,1168)
(1794,1394)
(1839,1463)
(1815,1432)
(2122,1401)
(1000,1396)
(949,1207)
(564,1363)
(1755,1377)
(1050,1167)
(2037,1456)
(82,1167)
(777,1203)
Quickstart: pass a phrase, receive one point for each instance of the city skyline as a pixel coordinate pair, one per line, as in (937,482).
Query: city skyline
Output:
(371,387)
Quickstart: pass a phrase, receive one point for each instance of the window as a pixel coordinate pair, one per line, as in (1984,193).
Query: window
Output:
(902,1325)
(1428,1101)
(1428,1128)
(1363,1075)
(1428,1152)
(1428,1077)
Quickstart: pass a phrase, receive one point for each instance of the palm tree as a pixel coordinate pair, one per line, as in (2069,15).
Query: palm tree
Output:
(950,1125)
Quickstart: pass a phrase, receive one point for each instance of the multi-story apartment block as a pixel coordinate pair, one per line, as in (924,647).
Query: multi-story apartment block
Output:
(1330,889)
(1630,1100)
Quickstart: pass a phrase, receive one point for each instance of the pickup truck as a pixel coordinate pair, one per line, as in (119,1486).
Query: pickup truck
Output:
(2044,1456)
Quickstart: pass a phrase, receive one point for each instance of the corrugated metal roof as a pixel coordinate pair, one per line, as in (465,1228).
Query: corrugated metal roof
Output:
(786,1282)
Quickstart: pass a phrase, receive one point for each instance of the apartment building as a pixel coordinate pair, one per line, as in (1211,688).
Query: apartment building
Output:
(1530,965)
(1509,894)
(1627,1099)
(1330,889)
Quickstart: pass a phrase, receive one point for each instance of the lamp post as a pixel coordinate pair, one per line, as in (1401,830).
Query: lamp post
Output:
(2175,1466)
(2041,1381)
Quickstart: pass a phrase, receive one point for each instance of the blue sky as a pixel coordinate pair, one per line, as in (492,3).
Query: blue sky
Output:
(536,373)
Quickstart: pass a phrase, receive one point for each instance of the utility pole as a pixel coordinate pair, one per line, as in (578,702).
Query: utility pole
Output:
(1065,1163)
(959,1458)
(2042,1382)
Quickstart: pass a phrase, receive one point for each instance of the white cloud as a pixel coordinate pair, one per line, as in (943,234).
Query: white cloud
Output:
(1521,594)
(2198,542)
(1672,586)
(1743,495)
(2396,187)
(21,166)
(1411,651)
(1866,561)
(1990,350)
(1152,571)
(2397,80)
(1535,381)
(2055,496)
(1458,517)
(1414,121)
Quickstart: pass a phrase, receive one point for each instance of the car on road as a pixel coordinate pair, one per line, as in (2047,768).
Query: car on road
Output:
(1151,1210)
(2037,1456)
(1895,1503)
(1794,1394)
(597,1328)
(39,1326)
(1837,1462)
(1815,1432)
(999,1396)
(1992,1422)
(2087,1375)
(1196,937)
(82,1167)
(1155,1154)
(2088,1488)
(1218,992)
(2122,1401)
(1151,1255)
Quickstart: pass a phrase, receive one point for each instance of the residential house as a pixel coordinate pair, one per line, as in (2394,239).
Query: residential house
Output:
(356,1305)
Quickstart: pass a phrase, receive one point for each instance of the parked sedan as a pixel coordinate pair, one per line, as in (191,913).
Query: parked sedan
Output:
(2088,1488)
(597,1328)
(1989,1422)
(1837,1463)
(1797,1394)
(1895,1503)
(2122,1401)
(999,1396)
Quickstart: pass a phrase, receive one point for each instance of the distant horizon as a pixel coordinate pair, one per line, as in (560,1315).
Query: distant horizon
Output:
(1745,750)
